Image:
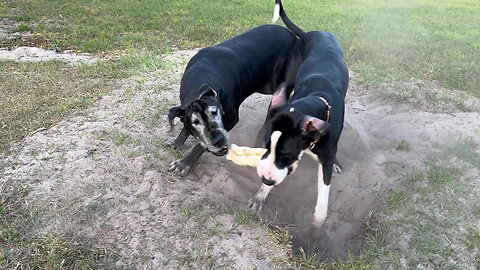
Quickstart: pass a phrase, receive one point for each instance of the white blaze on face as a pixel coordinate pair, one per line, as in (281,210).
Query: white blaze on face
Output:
(215,115)
(266,167)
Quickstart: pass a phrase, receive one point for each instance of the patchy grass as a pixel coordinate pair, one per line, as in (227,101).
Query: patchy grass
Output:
(431,221)
(21,28)
(49,91)
(403,145)
(21,247)
(204,224)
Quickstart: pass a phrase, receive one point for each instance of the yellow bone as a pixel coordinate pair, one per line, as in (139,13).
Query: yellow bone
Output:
(245,156)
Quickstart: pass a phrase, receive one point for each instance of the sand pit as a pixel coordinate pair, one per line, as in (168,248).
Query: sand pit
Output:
(102,176)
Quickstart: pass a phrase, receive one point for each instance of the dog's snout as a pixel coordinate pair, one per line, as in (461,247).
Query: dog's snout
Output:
(219,140)
(213,125)
(267,182)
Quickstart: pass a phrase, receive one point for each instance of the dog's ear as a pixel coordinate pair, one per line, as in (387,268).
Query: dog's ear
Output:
(315,126)
(279,98)
(207,91)
(176,112)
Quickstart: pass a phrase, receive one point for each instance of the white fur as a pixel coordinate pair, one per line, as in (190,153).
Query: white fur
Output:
(312,155)
(263,192)
(322,200)
(256,203)
(218,118)
(276,13)
(266,167)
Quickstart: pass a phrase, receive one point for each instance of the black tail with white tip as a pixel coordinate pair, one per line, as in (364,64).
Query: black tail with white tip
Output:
(279,12)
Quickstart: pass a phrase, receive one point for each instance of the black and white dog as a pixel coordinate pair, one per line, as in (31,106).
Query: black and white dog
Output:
(219,78)
(311,121)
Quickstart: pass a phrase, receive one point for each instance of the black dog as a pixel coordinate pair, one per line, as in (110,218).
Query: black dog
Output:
(219,78)
(311,121)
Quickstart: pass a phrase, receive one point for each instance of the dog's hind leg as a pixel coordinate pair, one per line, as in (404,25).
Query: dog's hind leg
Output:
(256,202)
(183,166)
(180,140)
(321,208)
(337,168)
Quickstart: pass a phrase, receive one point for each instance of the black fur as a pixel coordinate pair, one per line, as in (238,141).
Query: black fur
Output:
(322,73)
(255,61)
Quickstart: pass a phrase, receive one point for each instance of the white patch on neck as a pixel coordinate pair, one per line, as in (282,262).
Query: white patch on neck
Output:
(291,109)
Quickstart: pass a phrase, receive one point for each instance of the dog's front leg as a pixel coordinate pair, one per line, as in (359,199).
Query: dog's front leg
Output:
(183,166)
(256,202)
(177,144)
(322,198)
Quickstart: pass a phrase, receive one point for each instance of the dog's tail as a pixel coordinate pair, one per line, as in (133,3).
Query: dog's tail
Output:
(279,12)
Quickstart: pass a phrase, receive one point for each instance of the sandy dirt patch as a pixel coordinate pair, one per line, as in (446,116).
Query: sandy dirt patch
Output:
(103,175)
(34,54)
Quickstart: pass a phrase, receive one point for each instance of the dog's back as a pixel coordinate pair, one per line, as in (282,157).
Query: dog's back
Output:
(323,68)
(251,62)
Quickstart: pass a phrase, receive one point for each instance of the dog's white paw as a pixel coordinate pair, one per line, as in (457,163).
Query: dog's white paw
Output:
(337,169)
(180,167)
(255,204)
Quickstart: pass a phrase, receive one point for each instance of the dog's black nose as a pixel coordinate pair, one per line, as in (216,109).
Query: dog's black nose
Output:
(213,125)
(267,181)
(219,140)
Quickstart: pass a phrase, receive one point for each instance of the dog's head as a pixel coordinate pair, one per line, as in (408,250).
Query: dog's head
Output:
(203,119)
(288,134)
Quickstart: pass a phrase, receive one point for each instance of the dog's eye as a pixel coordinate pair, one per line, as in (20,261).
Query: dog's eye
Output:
(196,122)
(214,112)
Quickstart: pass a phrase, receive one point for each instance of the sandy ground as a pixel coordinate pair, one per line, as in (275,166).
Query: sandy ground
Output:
(102,175)
(34,54)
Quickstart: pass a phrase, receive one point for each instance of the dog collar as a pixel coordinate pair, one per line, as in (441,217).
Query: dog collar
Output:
(329,108)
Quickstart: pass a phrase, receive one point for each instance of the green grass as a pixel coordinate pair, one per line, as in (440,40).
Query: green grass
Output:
(21,28)
(22,247)
(387,41)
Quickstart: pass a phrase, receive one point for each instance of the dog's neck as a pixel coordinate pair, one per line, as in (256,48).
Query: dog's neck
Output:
(315,106)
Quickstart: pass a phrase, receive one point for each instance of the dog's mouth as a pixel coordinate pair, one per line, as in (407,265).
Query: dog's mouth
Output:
(221,152)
